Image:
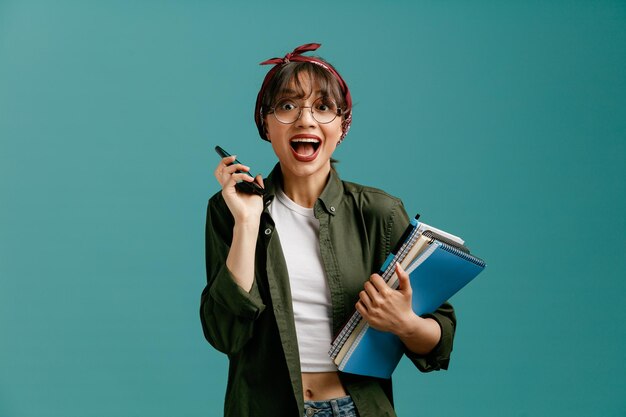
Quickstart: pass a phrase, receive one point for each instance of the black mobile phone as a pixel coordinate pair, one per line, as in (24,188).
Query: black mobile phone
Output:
(243,186)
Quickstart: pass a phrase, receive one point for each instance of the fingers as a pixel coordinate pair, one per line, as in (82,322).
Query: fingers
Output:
(361,309)
(373,298)
(372,305)
(403,278)
(383,307)
(228,160)
(380,284)
(223,164)
(377,291)
(237,177)
(231,169)
(225,172)
(365,299)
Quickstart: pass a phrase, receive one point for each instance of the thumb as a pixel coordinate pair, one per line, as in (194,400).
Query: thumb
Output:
(259,180)
(404,283)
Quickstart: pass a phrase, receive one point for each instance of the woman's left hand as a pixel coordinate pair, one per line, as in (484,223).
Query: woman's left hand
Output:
(386,309)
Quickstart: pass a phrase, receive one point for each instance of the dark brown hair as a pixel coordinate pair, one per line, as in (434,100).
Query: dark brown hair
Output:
(291,72)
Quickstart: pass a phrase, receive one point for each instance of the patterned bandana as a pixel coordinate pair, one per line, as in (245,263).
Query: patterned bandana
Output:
(296,56)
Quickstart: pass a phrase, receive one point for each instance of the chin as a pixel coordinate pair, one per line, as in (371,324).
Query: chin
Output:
(307,169)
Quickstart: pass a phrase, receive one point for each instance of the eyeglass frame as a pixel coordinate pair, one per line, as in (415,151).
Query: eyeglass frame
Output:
(273,111)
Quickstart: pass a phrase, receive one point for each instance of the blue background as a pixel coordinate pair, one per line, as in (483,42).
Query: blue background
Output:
(502,122)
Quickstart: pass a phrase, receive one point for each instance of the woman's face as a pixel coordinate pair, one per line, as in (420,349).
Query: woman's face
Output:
(304,147)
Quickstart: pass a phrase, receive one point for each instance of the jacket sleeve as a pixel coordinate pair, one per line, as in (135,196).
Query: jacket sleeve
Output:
(227,311)
(439,357)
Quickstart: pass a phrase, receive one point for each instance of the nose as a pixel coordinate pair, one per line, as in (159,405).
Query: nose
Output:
(306,117)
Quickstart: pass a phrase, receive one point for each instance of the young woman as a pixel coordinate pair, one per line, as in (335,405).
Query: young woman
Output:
(287,269)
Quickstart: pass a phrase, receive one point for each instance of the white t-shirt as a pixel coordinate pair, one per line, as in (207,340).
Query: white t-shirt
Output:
(298,230)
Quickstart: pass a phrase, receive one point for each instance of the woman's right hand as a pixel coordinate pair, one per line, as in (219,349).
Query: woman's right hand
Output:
(244,207)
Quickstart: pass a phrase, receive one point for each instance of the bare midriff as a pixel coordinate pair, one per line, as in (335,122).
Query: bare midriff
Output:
(322,386)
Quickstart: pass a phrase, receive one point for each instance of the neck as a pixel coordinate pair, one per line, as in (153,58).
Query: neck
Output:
(304,191)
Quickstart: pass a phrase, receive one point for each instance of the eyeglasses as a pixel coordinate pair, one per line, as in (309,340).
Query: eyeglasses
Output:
(324,110)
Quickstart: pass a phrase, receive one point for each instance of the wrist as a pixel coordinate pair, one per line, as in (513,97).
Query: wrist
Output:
(421,335)
(248,224)
(411,326)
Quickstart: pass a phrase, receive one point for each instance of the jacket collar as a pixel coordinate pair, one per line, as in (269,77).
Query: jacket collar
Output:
(329,199)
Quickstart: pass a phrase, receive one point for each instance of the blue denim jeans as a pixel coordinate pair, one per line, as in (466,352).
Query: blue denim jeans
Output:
(337,407)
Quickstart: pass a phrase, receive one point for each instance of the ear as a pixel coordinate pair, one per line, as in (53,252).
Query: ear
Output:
(267,133)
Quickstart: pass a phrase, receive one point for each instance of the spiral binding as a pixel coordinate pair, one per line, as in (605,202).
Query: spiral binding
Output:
(435,236)
(461,254)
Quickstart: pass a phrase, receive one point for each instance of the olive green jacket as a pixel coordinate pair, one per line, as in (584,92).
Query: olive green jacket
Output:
(358,228)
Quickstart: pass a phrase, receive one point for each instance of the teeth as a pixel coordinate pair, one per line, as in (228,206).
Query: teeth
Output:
(307,140)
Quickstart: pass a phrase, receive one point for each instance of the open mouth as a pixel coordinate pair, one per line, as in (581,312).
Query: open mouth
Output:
(305,149)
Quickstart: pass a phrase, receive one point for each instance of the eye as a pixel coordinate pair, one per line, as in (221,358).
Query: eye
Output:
(325,105)
(286,106)
(322,107)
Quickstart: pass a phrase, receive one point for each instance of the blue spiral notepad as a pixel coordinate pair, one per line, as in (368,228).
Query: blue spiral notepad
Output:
(437,272)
